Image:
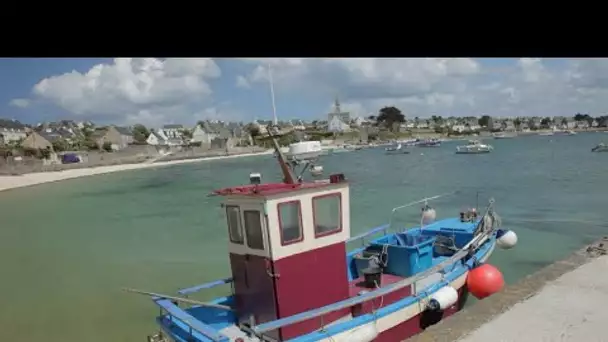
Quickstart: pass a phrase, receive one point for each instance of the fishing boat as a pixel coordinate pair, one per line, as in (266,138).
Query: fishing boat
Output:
(351,147)
(428,143)
(474,147)
(294,280)
(399,149)
(601,147)
(503,136)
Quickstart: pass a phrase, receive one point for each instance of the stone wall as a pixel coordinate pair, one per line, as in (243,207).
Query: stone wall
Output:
(133,154)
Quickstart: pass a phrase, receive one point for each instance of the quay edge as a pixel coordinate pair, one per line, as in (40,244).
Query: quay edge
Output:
(468,320)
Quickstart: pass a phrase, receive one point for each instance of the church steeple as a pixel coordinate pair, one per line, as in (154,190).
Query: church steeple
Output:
(337,105)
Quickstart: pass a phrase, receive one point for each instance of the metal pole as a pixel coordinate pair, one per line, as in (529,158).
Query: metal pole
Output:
(179,299)
(274,108)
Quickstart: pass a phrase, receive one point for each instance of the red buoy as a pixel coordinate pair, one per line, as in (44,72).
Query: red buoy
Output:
(484,280)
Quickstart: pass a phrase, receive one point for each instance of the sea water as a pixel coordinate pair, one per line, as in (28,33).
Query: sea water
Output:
(67,248)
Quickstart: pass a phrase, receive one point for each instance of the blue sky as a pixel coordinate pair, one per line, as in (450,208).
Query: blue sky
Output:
(155,91)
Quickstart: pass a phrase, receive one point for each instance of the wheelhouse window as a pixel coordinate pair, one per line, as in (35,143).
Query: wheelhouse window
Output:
(253,229)
(327,214)
(290,222)
(235,230)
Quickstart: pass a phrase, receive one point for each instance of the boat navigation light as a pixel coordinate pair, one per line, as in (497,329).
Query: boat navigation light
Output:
(255,178)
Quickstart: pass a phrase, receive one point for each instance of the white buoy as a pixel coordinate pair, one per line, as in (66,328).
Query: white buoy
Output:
(444,298)
(507,240)
(428,216)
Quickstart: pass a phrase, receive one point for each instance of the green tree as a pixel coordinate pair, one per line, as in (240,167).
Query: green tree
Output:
(90,145)
(517,122)
(187,133)
(390,115)
(484,121)
(140,133)
(60,145)
(253,129)
(45,153)
(545,122)
(107,146)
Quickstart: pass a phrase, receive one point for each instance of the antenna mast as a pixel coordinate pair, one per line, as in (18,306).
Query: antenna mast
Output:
(274,108)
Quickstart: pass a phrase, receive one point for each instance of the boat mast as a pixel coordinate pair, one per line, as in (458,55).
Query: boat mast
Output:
(287,175)
(274,108)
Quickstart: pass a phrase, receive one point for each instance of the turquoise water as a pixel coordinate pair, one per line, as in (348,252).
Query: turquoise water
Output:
(66,249)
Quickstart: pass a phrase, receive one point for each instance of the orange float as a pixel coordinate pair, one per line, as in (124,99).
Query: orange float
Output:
(484,280)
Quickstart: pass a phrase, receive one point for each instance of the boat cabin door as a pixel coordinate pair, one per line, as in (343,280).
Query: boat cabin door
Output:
(251,263)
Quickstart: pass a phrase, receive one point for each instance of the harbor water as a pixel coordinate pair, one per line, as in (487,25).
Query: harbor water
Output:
(67,248)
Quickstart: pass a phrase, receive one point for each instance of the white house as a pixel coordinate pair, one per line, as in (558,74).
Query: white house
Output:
(508,125)
(459,127)
(203,135)
(423,124)
(173,131)
(12,130)
(156,139)
(336,125)
(359,121)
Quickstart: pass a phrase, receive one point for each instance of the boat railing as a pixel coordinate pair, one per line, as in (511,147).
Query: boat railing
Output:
(464,252)
(411,204)
(385,229)
(209,285)
(171,312)
(382,229)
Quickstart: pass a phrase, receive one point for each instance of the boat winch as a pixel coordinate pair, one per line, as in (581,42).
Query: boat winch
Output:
(506,239)
(443,298)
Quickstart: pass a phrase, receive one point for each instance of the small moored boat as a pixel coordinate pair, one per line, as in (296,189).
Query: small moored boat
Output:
(399,149)
(503,136)
(428,143)
(601,147)
(474,147)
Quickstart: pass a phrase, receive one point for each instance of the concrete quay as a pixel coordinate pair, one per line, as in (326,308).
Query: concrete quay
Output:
(562,302)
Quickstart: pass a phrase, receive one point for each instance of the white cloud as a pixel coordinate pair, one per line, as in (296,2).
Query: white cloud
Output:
(242,82)
(20,103)
(150,90)
(149,87)
(444,86)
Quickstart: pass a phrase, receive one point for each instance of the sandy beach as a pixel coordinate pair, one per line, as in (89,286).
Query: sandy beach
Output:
(29,179)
